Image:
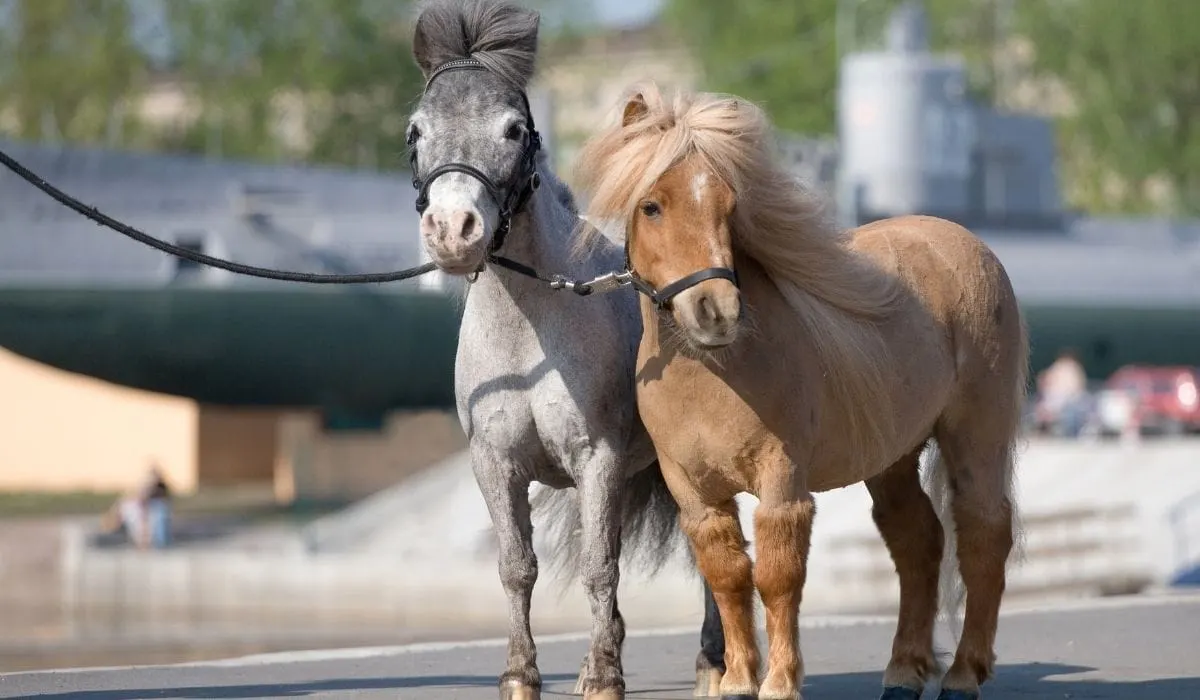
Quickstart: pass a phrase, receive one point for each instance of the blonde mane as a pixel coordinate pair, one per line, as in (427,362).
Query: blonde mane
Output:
(837,294)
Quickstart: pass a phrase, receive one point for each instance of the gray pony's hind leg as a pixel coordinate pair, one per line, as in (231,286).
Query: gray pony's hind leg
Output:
(507,497)
(601,505)
(710,662)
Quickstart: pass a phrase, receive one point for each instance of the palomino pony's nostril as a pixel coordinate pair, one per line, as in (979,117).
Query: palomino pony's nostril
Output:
(708,310)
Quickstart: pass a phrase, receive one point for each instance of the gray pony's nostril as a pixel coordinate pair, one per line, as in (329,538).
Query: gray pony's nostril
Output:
(468,225)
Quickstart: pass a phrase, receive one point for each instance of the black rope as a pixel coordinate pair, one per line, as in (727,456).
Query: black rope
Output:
(102,219)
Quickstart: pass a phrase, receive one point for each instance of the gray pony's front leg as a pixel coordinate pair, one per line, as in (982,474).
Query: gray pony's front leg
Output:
(601,503)
(507,496)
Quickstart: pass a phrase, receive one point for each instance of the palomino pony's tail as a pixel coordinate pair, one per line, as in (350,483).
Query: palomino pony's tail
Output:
(950,584)
(650,531)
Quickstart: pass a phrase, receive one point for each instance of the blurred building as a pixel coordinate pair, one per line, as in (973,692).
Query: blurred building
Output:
(266,373)
(583,79)
(302,385)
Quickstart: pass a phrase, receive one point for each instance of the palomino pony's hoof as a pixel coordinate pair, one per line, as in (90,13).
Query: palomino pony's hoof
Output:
(516,690)
(708,683)
(899,692)
(739,697)
(948,694)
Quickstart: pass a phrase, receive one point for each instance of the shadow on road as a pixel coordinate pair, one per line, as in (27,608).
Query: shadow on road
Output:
(291,690)
(1027,681)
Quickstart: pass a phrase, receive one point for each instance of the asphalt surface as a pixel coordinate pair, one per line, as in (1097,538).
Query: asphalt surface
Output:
(1146,648)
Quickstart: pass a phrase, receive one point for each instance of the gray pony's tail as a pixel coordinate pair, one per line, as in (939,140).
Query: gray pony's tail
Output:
(650,530)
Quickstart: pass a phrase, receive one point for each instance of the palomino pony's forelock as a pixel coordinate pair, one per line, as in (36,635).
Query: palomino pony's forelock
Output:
(778,222)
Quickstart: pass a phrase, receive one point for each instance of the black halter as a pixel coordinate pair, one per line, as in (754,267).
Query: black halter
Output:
(524,182)
(662,297)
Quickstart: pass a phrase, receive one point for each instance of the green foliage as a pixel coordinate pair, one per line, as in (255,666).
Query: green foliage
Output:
(65,66)
(784,54)
(1132,70)
(779,53)
(329,81)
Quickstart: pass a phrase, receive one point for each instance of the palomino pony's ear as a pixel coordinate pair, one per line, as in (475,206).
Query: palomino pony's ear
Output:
(635,109)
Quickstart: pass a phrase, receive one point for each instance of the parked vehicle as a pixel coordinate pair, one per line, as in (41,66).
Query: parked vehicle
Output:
(1161,400)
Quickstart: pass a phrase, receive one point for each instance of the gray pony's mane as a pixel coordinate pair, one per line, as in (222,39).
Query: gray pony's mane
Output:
(501,36)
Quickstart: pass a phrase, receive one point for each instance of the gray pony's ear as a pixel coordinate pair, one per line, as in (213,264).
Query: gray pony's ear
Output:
(423,47)
(635,109)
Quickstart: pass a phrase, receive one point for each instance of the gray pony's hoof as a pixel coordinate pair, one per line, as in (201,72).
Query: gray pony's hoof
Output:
(899,692)
(708,683)
(948,694)
(580,684)
(516,690)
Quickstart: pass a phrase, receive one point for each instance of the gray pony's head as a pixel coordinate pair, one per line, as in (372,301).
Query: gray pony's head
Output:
(475,118)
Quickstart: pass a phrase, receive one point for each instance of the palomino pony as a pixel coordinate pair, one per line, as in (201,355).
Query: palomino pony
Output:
(783,357)
(544,377)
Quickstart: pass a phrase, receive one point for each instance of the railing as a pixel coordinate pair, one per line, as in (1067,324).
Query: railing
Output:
(1184,520)
(1088,549)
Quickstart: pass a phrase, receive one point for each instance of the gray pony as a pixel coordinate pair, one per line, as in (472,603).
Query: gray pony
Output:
(544,377)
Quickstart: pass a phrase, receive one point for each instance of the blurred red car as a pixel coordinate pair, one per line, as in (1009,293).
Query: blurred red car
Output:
(1160,399)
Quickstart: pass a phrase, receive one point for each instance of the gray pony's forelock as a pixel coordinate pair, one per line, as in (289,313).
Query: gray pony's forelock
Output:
(501,36)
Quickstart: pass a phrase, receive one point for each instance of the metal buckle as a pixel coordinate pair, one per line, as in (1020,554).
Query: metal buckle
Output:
(609,282)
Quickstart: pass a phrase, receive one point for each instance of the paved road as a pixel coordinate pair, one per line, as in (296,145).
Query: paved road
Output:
(1144,648)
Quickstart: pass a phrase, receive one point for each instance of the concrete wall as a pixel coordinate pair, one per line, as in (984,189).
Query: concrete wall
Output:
(61,431)
(64,432)
(320,465)
(237,446)
(1096,522)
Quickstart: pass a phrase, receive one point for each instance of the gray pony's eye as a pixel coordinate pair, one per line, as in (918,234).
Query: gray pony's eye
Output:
(413,134)
(514,132)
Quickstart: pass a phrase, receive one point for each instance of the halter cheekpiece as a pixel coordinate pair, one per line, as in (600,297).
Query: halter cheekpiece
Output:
(511,200)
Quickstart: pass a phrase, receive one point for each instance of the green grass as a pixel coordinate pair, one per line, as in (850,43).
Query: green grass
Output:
(252,504)
(38,503)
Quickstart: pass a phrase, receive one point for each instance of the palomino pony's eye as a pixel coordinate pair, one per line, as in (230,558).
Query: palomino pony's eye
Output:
(650,209)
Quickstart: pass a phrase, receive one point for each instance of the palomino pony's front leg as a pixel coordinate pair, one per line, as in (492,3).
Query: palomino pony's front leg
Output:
(720,549)
(507,495)
(600,506)
(782,534)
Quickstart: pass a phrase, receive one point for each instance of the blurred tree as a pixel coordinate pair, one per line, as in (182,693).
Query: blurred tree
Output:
(66,67)
(784,55)
(1131,71)
(321,80)
(780,54)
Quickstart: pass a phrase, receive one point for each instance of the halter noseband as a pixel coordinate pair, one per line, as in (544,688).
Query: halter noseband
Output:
(661,298)
(520,189)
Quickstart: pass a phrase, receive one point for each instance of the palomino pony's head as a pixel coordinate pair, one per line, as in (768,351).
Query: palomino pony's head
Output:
(473,144)
(692,178)
(663,174)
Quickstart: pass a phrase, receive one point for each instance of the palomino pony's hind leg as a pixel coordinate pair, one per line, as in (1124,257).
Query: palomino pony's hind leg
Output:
(913,535)
(507,498)
(983,519)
